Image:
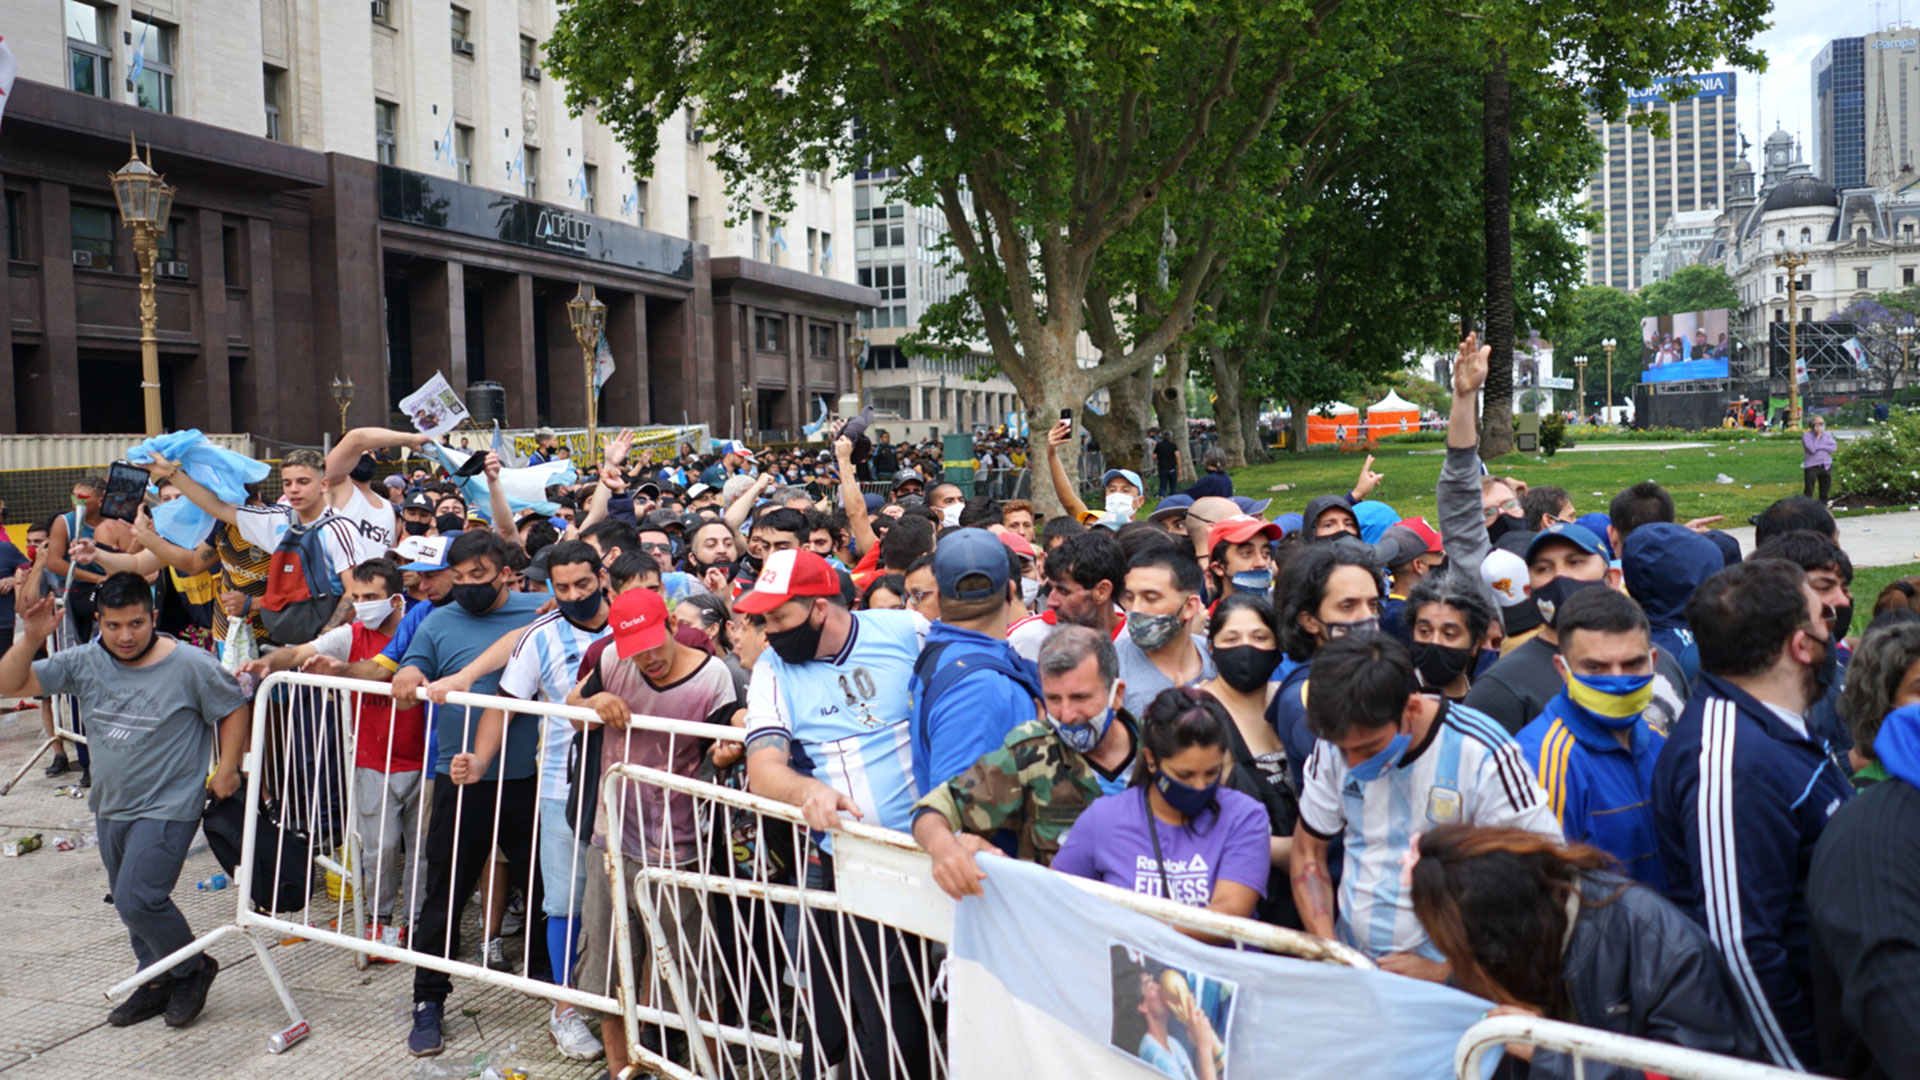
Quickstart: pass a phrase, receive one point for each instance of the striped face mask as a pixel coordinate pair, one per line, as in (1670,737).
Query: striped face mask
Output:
(1614,701)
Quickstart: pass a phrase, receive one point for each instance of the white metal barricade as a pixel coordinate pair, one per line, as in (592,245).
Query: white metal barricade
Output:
(63,709)
(781,975)
(304,791)
(1591,1046)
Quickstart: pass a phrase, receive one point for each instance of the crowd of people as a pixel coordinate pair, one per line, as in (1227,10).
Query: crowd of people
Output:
(1590,763)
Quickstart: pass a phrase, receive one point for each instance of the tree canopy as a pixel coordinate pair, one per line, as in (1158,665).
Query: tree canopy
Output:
(1700,287)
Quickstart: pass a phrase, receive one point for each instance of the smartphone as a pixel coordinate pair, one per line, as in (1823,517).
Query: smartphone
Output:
(126,491)
(1067,415)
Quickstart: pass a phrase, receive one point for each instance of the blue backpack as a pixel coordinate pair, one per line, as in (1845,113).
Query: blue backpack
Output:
(302,589)
(931,680)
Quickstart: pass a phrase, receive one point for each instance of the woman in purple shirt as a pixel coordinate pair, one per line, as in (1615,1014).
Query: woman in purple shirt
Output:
(1817,464)
(1178,831)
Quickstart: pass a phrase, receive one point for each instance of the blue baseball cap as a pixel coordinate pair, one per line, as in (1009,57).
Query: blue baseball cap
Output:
(735,446)
(429,553)
(965,553)
(1128,475)
(1578,535)
(1253,507)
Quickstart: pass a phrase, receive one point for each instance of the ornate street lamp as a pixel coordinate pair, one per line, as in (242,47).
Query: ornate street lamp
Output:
(145,203)
(342,397)
(589,318)
(1580,367)
(1791,258)
(1905,334)
(1606,409)
(857,344)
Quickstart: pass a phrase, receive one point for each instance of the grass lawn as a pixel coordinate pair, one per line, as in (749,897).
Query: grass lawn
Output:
(1762,471)
(1867,583)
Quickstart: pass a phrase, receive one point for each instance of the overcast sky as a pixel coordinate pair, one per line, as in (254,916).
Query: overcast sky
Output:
(1801,28)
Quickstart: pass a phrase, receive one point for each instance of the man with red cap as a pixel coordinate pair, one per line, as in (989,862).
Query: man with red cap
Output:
(640,669)
(1240,555)
(832,690)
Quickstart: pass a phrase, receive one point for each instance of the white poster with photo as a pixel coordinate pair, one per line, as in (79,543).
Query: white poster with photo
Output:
(434,408)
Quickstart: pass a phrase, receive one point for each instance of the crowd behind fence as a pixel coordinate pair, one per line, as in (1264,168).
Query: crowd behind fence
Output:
(725,952)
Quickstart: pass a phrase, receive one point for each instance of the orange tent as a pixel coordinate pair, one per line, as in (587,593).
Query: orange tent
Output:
(1341,424)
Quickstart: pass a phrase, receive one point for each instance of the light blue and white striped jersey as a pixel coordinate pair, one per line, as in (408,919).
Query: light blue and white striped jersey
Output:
(846,715)
(1467,771)
(545,664)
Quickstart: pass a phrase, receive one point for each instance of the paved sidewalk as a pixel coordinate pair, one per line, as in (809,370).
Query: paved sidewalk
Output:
(61,945)
(1869,539)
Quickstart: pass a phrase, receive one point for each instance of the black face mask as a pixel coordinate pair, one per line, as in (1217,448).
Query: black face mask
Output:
(448,523)
(1842,622)
(1439,664)
(1246,668)
(1499,526)
(416,528)
(1548,599)
(152,640)
(798,645)
(581,611)
(1827,670)
(477,599)
(362,470)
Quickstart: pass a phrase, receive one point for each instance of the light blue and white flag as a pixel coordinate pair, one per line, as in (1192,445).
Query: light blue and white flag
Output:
(445,150)
(526,488)
(1062,995)
(518,167)
(138,66)
(780,238)
(819,422)
(508,458)
(602,363)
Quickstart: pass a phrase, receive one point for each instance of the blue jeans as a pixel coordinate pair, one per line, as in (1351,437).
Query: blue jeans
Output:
(143,858)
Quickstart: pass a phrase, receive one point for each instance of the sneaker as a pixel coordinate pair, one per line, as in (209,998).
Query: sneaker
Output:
(493,955)
(515,920)
(146,1003)
(59,766)
(190,994)
(424,1039)
(572,1037)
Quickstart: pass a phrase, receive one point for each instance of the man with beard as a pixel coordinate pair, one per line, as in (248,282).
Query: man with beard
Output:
(1741,792)
(1086,575)
(710,556)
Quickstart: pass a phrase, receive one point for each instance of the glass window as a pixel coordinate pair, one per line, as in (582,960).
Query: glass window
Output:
(17,227)
(693,219)
(590,176)
(529,59)
(93,232)
(770,333)
(461,24)
(386,138)
(813,251)
(530,172)
(463,153)
(826,253)
(383,11)
(271,79)
(89,49)
(640,202)
(1860,279)
(153,87)
(758,222)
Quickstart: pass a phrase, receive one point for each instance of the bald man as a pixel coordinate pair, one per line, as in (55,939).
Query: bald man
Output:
(1200,519)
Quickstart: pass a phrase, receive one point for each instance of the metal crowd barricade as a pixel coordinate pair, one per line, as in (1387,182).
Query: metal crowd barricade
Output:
(742,968)
(303,842)
(63,708)
(1592,1046)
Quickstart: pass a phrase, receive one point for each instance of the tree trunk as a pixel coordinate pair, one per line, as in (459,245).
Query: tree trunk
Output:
(1045,396)
(1226,368)
(1496,408)
(1170,408)
(1122,432)
(1256,447)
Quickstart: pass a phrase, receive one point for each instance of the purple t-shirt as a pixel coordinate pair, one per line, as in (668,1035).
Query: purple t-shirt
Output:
(1110,843)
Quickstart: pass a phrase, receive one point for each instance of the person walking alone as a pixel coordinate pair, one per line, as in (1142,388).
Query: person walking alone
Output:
(1818,445)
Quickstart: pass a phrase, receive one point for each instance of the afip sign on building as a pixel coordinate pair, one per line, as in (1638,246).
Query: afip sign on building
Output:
(1049,980)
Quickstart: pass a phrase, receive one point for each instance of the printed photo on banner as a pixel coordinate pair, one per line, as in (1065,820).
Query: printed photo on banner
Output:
(434,408)
(1172,1019)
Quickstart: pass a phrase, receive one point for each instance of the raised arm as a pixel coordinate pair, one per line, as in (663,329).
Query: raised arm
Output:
(195,492)
(33,625)
(1061,433)
(346,453)
(737,512)
(859,522)
(1463,528)
(56,555)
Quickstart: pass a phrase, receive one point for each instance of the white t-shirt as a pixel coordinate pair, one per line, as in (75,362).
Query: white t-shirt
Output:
(263,526)
(1470,772)
(374,529)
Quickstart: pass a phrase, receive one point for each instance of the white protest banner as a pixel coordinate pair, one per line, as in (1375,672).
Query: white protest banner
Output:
(434,408)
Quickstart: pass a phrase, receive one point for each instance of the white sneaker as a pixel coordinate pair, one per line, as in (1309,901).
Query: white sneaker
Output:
(493,954)
(572,1037)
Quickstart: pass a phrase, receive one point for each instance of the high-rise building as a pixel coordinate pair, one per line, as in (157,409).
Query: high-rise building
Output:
(381,192)
(1647,179)
(1839,140)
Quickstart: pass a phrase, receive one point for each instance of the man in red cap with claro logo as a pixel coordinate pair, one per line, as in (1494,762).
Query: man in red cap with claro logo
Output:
(640,669)
(835,682)
(1240,555)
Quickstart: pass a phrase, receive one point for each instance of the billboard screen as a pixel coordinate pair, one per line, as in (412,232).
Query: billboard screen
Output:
(1684,347)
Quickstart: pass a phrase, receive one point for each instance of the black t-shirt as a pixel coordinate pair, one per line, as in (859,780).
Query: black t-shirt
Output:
(1167,455)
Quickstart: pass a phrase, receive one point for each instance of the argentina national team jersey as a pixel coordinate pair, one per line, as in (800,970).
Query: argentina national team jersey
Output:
(545,664)
(1469,771)
(846,715)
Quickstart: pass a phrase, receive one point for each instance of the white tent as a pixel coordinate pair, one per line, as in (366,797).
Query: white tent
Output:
(1393,403)
(1338,408)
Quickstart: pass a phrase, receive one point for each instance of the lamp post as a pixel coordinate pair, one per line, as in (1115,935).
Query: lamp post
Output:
(1580,369)
(1905,334)
(1791,259)
(589,318)
(857,344)
(145,203)
(343,397)
(1606,408)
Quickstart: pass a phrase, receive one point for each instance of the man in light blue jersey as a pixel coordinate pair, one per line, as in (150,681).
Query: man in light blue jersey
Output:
(831,690)
(1391,762)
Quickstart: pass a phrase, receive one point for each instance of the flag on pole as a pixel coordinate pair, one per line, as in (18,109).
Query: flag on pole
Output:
(780,238)
(602,363)
(826,254)
(519,166)
(139,64)
(446,144)
(7,69)
(508,458)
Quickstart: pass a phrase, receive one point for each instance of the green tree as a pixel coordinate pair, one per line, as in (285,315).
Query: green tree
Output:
(1596,313)
(1700,287)
(1042,133)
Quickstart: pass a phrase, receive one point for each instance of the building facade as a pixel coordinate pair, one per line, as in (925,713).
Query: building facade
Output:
(1646,179)
(1866,109)
(897,249)
(377,192)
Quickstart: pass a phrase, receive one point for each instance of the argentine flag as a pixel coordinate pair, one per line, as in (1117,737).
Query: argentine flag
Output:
(139,64)
(602,363)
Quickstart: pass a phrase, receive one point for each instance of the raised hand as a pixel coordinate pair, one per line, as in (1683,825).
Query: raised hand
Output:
(1470,368)
(1368,479)
(492,467)
(1060,434)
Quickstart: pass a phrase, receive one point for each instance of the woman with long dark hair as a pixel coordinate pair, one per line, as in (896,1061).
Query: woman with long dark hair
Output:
(1551,930)
(1180,831)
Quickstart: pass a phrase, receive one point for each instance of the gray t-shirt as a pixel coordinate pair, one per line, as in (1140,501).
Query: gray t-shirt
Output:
(150,729)
(1144,681)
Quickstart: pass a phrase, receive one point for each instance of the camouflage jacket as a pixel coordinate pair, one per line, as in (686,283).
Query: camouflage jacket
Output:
(1033,785)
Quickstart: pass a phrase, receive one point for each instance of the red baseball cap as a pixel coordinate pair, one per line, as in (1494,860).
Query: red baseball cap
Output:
(639,620)
(789,575)
(1020,545)
(1241,528)
(1425,532)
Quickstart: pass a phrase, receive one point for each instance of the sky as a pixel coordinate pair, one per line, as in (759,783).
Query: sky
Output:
(1783,96)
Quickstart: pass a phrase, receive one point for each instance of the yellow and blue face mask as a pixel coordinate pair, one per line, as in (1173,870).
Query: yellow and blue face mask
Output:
(1613,701)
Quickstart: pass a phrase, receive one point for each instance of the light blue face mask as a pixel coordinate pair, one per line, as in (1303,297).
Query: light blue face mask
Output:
(1373,767)
(1084,737)
(1253,581)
